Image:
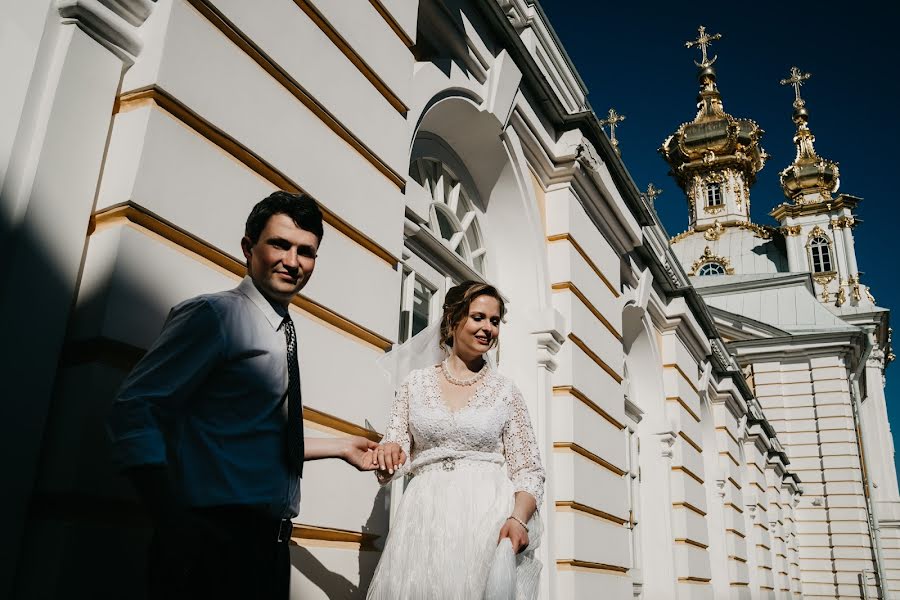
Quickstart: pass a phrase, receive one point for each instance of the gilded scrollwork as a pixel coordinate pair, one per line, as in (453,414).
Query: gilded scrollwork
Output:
(682,235)
(815,232)
(824,280)
(715,232)
(709,257)
(761,231)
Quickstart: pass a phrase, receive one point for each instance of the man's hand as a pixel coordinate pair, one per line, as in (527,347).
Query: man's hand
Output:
(355,450)
(388,458)
(360,452)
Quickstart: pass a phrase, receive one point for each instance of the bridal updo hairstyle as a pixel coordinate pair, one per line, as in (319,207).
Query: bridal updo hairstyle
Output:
(456,306)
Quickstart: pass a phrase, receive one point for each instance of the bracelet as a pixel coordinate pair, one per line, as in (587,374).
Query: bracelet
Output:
(519,521)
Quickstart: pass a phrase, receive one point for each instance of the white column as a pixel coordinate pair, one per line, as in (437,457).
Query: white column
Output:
(797,260)
(548,332)
(21,32)
(850,249)
(840,254)
(879,444)
(48,194)
(656,500)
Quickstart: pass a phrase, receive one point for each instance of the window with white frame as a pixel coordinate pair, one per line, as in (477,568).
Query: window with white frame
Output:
(711,268)
(453,216)
(714,194)
(417,300)
(820,255)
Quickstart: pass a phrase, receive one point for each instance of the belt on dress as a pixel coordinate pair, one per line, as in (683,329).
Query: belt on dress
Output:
(450,463)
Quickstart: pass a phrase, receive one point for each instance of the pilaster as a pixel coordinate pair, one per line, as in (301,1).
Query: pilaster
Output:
(49,190)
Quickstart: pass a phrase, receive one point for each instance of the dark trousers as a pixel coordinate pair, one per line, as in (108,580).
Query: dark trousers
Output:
(223,553)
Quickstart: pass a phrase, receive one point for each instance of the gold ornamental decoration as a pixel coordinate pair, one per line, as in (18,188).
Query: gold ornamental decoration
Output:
(810,179)
(841,296)
(714,146)
(715,232)
(677,238)
(761,231)
(702,42)
(824,280)
(612,120)
(709,257)
(816,232)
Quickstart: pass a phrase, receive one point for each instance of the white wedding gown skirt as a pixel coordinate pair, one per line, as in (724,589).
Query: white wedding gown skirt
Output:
(445,534)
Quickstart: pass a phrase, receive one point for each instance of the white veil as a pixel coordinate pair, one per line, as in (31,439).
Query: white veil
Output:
(420,351)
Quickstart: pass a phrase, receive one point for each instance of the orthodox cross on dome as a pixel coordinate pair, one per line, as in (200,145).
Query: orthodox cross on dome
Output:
(796,79)
(613,119)
(652,193)
(703,41)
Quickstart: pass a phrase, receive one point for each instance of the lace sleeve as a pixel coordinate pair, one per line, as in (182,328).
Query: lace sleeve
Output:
(520,449)
(398,430)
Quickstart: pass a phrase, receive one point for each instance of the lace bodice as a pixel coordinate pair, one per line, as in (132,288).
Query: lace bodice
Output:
(493,426)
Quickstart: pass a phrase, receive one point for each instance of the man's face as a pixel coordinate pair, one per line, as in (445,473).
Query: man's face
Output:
(282,259)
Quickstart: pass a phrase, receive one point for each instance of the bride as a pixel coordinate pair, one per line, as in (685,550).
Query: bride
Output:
(461,423)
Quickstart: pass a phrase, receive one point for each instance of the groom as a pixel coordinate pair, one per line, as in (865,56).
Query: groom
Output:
(208,425)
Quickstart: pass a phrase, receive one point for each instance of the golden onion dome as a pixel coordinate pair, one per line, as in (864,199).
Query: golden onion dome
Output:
(810,178)
(714,139)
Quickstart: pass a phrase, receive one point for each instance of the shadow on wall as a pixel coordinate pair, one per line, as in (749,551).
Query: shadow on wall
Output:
(55,535)
(334,585)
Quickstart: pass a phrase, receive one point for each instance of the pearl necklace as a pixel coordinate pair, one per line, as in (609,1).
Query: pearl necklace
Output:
(462,382)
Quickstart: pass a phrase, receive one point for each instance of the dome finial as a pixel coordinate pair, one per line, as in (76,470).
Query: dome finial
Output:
(796,79)
(703,40)
(810,178)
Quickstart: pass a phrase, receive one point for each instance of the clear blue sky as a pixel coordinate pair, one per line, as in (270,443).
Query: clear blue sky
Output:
(631,56)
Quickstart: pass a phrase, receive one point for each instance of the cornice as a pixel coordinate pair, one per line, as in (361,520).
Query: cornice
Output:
(527,14)
(849,343)
(779,281)
(751,328)
(786,209)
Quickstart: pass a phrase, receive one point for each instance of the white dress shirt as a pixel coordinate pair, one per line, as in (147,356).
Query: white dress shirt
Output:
(209,400)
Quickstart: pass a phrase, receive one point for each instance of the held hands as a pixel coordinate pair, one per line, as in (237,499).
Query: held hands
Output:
(360,452)
(388,458)
(517,534)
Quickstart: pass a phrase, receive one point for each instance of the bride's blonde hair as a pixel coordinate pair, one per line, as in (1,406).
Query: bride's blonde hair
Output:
(456,306)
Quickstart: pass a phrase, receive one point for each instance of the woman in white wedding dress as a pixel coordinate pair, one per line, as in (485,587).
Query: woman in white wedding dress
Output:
(477,474)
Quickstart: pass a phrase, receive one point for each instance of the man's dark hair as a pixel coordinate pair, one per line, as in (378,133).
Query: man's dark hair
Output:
(301,208)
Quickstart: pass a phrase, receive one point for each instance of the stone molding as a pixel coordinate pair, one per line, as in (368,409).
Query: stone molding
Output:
(528,20)
(667,442)
(548,329)
(112,23)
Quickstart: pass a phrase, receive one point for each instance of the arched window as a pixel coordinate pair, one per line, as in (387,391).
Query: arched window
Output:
(714,194)
(711,268)
(453,215)
(820,254)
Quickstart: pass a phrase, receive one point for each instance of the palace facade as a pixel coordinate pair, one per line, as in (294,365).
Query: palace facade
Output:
(710,407)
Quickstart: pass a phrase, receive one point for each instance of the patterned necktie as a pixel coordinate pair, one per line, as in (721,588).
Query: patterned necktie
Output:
(295,402)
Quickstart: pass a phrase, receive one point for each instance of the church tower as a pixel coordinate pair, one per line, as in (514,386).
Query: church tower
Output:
(715,157)
(817,224)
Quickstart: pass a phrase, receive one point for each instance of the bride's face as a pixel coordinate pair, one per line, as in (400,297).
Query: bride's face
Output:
(476,333)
